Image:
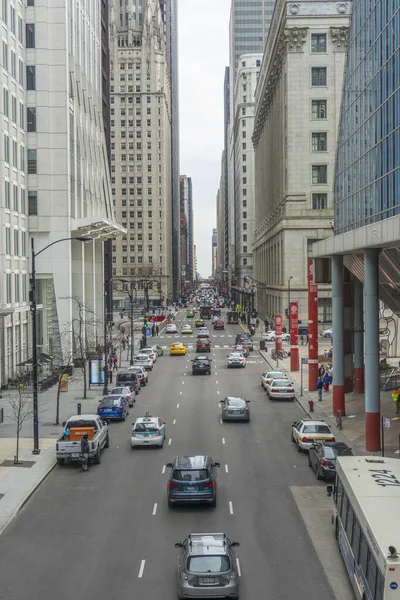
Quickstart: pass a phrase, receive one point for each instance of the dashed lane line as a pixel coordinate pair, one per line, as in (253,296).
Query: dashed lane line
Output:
(230,508)
(155,509)
(141,570)
(223,440)
(173,422)
(177,406)
(169,441)
(163,470)
(226,469)
(238,567)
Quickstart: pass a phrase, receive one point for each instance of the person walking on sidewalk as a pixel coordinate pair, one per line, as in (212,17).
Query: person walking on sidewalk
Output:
(320,385)
(326,380)
(302,340)
(85,452)
(115,363)
(395,397)
(307,339)
(157,330)
(266,324)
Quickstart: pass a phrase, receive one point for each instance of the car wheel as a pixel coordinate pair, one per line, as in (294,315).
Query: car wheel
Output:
(309,461)
(107,444)
(214,503)
(298,448)
(60,462)
(162,444)
(318,474)
(293,440)
(170,504)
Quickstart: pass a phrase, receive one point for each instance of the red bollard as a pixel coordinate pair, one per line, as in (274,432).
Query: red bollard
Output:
(311,405)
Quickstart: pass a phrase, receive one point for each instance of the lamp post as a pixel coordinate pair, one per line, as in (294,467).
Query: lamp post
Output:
(32,300)
(288,283)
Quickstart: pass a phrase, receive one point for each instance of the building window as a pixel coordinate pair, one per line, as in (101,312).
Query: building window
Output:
(318,42)
(30,3)
(6,148)
(5,102)
(8,288)
(319,201)
(318,76)
(30,77)
(32,204)
(244,157)
(16,242)
(244,203)
(8,241)
(32,162)
(319,141)
(245,249)
(245,215)
(23,202)
(15,197)
(23,243)
(258,63)
(30,35)
(244,226)
(318,109)
(245,261)
(319,174)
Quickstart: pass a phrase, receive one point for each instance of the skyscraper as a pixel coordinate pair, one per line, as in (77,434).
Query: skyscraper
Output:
(186,232)
(141,148)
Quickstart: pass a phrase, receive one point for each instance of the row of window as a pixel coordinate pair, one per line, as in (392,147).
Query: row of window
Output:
(11,17)
(132,260)
(11,65)
(18,203)
(12,157)
(17,248)
(139,248)
(10,109)
(138,123)
(20,288)
(138,237)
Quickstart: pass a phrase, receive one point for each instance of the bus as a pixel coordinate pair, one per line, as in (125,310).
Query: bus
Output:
(366,520)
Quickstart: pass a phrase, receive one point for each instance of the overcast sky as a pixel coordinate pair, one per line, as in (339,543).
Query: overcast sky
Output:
(203,55)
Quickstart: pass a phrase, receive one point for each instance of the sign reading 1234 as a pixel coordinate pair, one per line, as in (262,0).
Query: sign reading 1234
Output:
(384,478)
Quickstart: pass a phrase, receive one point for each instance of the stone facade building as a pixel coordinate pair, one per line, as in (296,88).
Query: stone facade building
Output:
(295,137)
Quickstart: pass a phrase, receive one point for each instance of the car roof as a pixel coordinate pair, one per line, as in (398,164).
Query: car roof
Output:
(207,543)
(285,379)
(235,398)
(190,462)
(146,419)
(313,422)
(201,358)
(82,418)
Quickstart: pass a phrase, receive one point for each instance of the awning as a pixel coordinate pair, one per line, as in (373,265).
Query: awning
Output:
(43,358)
(97,228)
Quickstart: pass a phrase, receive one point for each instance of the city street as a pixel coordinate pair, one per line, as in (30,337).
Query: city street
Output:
(109,534)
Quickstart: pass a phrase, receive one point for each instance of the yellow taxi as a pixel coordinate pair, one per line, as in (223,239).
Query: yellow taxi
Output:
(308,431)
(177,348)
(186,329)
(199,323)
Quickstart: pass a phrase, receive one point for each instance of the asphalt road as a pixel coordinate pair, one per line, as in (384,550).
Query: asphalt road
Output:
(109,534)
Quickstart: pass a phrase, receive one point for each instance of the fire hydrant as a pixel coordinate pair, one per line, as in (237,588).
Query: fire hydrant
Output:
(311,405)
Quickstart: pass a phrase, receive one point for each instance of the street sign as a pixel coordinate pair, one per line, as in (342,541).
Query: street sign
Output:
(386,423)
(304,361)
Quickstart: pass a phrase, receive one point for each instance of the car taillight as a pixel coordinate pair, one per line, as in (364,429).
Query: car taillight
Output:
(324,463)
(292,391)
(133,434)
(273,390)
(304,439)
(172,484)
(332,440)
(157,432)
(119,407)
(208,484)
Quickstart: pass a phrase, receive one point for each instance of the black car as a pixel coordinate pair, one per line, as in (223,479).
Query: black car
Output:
(128,378)
(247,343)
(193,479)
(201,364)
(239,337)
(322,458)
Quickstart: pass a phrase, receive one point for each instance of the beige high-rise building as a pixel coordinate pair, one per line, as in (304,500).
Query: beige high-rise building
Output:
(141,151)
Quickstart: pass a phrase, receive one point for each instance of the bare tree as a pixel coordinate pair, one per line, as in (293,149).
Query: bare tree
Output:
(64,368)
(21,404)
(145,279)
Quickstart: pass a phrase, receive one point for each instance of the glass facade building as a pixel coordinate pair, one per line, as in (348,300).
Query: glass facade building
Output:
(368,160)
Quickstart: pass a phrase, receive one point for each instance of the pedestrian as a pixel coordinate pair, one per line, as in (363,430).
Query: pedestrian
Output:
(395,397)
(153,331)
(123,343)
(115,363)
(330,373)
(266,324)
(321,371)
(284,329)
(320,385)
(302,340)
(307,339)
(326,379)
(257,322)
(85,452)
(157,330)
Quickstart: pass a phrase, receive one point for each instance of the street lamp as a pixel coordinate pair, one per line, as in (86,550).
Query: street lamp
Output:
(288,283)
(32,300)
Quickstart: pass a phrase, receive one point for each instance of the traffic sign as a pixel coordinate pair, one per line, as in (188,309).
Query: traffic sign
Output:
(386,423)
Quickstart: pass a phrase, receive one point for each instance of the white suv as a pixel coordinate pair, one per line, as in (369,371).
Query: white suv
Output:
(150,351)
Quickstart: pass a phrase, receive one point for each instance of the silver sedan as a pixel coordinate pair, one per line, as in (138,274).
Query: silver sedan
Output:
(235,408)
(280,389)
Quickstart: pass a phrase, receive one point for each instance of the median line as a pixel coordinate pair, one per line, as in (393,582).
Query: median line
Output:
(223,440)
(239,570)
(155,509)
(230,508)
(141,570)
(226,469)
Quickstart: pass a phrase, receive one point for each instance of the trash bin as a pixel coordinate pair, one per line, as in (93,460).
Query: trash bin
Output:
(262,344)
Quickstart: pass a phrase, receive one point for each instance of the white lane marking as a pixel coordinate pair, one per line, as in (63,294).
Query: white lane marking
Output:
(155,508)
(216,382)
(230,508)
(163,470)
(169,441)
(215,373)
(142,564)
(217,391)
(177,406)
(183,382)
(181,392)
(223,440)
(226,469)
(221,421)
(238,567)
(173,422)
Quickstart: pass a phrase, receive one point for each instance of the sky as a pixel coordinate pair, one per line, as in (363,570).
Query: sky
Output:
(203,30)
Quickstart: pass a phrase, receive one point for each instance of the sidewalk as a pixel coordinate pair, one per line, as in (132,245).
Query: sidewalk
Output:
(353,432)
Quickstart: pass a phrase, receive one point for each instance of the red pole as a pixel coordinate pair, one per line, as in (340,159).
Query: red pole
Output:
(312,328)
(278,332)
(294,336)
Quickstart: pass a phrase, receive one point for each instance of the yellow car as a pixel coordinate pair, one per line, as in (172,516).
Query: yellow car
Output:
(199,323)
(186,329)
(177,348)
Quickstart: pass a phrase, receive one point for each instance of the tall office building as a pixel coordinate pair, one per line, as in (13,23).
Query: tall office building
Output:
(191,269)
(186,233)
(365,245)
(68,175)
(214,243)
(169,10)
(141,148)
(14,159)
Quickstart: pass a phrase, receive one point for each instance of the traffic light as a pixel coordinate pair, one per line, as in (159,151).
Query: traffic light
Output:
(253,313)
(287,313)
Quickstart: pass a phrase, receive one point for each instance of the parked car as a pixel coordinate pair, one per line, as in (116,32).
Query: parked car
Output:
(141,373)
(207,564)
(148,431)
(193,479)
(201,364)
(270,336)
(143,360)
(69,448)
(114,408)
(150,351)
(128,378)
(327,333)
(268,376)
(235,408)
(322,457)
(280,389)
(126,392)
(308,431)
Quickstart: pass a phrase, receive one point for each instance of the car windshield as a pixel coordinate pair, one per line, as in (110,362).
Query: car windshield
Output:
(274,375)
(110,402)
(120,390)
(125,377)
(284,383)
(235,402)
(145,426)
(236,355)
(316,429)
(201,359)
(195,475)
(208,564)
(329,452)
(79,424)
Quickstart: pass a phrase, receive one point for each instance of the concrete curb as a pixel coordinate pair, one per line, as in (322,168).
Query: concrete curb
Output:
(28,495)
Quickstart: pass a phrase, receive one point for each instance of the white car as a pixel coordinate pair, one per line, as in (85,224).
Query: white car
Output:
(150,351)
(307,431)
(236,359)
(126,392)
(142,374)
(171,328)
(144,361)
(148,431)
(270,336)
(268,376)
(326,333)
(280,389)
(186,329)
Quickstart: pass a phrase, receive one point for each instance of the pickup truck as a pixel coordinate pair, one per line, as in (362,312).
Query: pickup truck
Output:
(70,448)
